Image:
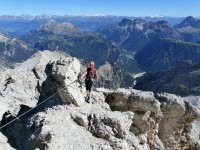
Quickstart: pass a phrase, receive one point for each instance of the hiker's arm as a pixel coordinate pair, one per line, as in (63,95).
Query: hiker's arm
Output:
(83,75)
(97,76)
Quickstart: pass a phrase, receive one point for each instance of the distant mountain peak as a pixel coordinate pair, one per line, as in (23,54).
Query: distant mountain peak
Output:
(51,22)
(54,23)
(125,22)
(58,28)
(138,20)
(157,16)
(189,22)
(140,24)
(189,18)
(164,23)
(129,22)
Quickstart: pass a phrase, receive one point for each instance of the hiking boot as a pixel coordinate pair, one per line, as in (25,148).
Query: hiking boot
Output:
(87,99)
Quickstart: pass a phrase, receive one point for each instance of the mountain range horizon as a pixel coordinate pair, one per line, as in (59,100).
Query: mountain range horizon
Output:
(98,14)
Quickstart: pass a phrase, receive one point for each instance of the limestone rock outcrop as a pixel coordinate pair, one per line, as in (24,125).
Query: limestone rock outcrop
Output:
(111,126)
(147,113)
(21,86)
(176,125)
(164,117)
(66,72)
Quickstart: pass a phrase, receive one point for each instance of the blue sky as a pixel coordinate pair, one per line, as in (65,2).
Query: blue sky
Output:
(105,7)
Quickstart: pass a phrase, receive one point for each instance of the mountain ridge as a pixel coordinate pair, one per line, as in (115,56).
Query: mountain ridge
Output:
(13,49)
(20,25)
(70,39)
(181,80)
(167,53)
(133,35)
(59,28)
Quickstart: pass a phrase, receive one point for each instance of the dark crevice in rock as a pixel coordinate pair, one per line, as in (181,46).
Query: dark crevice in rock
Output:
(35,73)
(49,87)
(23,109)
(8,81)
(160,98)
(16,132)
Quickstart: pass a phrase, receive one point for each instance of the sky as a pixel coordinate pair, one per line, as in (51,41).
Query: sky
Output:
(174,8)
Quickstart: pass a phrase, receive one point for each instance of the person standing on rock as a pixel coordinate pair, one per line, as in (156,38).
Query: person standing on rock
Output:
(90,75)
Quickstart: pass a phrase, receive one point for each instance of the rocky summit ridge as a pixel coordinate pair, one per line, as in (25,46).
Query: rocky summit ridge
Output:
(115,119)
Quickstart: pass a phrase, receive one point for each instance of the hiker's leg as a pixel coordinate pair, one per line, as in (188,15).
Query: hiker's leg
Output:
(90,88)
(88,92)
(87,88)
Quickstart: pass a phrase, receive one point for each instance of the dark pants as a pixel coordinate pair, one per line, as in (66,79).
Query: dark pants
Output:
(88,84)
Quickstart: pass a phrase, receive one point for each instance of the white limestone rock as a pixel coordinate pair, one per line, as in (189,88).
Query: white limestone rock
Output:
(59,131)
(175,128)
(66,72)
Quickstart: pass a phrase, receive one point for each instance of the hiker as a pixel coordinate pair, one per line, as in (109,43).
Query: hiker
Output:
(90,75)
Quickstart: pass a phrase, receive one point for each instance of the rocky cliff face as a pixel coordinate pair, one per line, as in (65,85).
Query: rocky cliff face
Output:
(13,49)
(161,117)
(157,45)
(120,119)
(59,28)
(110,76)
(189,21)
(182,80)
(189,29)
(134,35)
(165,54)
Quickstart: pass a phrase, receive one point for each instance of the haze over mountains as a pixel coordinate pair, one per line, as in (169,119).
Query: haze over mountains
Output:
(19,25)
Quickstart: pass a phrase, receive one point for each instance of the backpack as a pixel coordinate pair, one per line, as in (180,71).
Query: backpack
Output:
(91,73)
